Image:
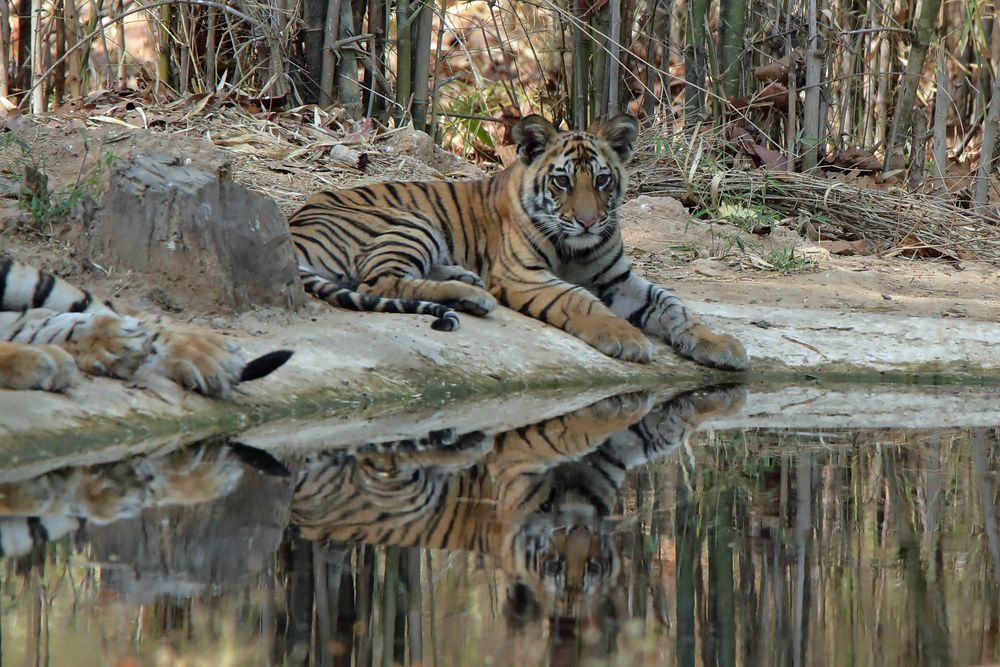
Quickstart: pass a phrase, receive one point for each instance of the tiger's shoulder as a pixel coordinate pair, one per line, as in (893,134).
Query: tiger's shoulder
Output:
(51,331)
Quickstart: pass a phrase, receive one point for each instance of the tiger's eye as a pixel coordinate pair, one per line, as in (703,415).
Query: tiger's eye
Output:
(561,182)
(602,181)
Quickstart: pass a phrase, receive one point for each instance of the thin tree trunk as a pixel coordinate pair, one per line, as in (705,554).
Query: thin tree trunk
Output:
(329,69)
(810,113)
(694,65)
(422,64)
(732,27)
(925,31)
(942,100)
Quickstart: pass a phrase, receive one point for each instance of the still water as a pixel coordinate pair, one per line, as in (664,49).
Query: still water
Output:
(625,533)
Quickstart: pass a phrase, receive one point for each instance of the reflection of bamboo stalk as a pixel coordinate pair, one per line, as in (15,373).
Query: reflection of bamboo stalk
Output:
(414,603)
(388,615)
(365,590)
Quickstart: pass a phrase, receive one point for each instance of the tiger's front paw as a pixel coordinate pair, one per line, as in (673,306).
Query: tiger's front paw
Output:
(110,345)
(717,401)
(44,367)
(712,349)
(619,339)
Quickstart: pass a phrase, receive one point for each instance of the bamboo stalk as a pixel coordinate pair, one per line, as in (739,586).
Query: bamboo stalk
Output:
(163,67)
(987,163)
(211,68)
(347,84)
(695,65)
(404,56)
(422,64)
(38,49)
(4,48)
(924,33)
(74,63)
(614,53)
(580,70)
(329,69)
(942,100)
(810,112)
(59,75)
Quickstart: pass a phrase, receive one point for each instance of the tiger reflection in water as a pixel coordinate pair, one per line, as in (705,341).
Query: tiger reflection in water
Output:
(57,503)
(534,499)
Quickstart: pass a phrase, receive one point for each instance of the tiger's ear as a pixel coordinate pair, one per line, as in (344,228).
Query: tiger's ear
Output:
(533,134)
(620,131)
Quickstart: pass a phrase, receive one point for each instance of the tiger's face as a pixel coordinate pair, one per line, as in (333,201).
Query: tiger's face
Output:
(574,181)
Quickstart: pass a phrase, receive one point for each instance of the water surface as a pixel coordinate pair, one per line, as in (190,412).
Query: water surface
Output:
(625,533)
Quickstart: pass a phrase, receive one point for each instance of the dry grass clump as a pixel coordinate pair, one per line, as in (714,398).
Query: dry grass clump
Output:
(893,220)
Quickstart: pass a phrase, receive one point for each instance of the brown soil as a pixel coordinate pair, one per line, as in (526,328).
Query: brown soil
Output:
(701,261)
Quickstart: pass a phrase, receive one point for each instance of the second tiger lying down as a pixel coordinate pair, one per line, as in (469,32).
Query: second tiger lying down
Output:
(540,237)
(50,330)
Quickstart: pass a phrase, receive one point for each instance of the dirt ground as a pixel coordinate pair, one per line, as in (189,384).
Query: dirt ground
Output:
(701,261)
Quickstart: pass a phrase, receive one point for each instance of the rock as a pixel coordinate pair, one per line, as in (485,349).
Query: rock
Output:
(204,238)
(420,145)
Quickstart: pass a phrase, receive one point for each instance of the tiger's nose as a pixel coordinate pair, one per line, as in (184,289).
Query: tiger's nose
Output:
(586,221)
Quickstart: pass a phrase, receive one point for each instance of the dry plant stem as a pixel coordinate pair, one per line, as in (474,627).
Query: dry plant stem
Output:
(152,4)
(987,163)
(37,59)
(942,100)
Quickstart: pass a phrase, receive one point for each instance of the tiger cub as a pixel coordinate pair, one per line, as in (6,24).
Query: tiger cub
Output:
(536,498)
(51,330)
(541,237)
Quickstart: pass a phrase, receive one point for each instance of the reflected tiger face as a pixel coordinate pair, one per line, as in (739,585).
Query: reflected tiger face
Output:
(564,559)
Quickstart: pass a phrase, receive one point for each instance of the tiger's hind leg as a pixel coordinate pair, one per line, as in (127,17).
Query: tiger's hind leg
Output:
(397,265)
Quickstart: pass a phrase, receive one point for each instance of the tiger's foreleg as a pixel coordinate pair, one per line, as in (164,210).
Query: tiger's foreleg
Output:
(658,311)
(573,309)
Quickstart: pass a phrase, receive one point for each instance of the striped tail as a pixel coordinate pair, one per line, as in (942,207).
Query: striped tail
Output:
(344,297)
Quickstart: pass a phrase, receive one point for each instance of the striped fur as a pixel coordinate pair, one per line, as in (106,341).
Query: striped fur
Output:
(540,237)
(50,330)
(535,498)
